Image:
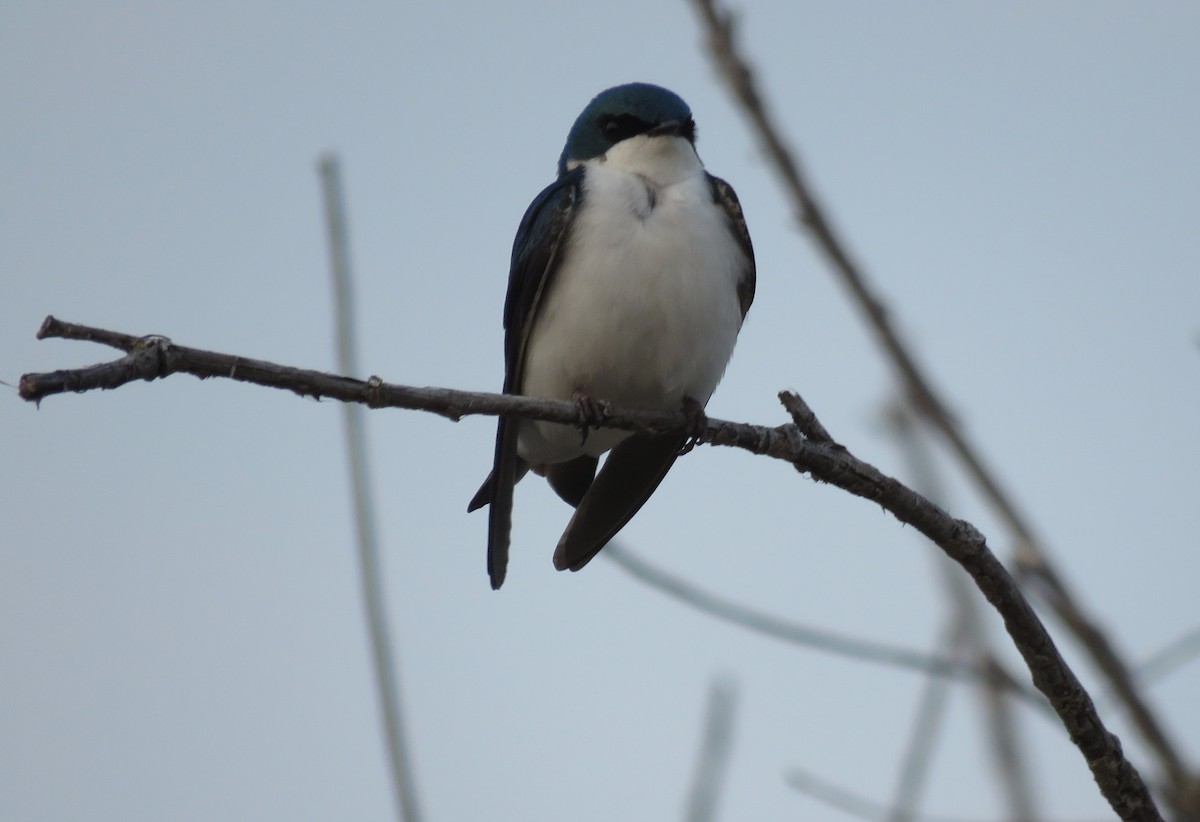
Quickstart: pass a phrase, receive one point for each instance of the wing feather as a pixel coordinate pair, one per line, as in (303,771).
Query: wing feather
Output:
(724,196)
(536,256)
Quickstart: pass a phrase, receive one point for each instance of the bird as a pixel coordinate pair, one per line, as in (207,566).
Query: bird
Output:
(630,277)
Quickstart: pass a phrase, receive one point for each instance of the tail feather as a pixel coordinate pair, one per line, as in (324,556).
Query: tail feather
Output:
(632,471)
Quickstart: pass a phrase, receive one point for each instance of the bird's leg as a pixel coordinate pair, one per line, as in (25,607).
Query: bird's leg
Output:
(591,412)
(697,423)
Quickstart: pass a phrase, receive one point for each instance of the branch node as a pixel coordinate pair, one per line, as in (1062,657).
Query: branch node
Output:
(371,391)
(149,356)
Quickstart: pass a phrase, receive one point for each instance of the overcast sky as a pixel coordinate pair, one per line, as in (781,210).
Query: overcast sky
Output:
(181,633)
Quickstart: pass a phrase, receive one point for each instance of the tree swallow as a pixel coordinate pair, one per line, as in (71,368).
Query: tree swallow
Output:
(630,277)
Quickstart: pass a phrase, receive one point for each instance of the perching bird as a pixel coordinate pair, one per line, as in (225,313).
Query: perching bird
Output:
(630,277)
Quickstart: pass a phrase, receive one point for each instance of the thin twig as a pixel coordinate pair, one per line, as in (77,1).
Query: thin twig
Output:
(853,803)
(1032,557)
(1167,660)
(1000,723)
(804,418)
(1184,786)
(727,610)
(155,357)
(848,801)
(927,724)
(370,570)
(715,748)
(1164,662)
(918,758)
(1118,780)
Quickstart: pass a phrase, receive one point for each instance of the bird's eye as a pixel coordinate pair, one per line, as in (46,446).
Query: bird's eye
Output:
(617,127)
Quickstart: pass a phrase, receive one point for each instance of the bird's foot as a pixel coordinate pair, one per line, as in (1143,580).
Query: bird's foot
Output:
(697,424)
(591,413)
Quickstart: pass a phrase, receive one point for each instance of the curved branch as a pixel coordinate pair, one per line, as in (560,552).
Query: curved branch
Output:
(824,460)
(1033,562)
(863,650)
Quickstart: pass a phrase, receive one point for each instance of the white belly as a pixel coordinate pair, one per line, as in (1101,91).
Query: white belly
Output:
(642,312)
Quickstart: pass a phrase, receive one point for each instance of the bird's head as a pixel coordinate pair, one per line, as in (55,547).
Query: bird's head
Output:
(621,113)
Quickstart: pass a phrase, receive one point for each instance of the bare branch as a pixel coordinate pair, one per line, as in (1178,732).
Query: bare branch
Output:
(804,418)
(404,785)
(853,803)
(848,801)
(1003,739)
(803,635)
(1033,561)
(1175,655)
(739,77)
(927,725)
(154,357)
(715,748)
(1119,781)
(1045,580)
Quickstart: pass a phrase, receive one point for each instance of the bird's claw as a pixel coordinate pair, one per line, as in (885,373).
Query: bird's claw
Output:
(697,424)
(591,413)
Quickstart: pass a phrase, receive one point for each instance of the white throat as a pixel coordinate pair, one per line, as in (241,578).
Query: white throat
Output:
(663,160)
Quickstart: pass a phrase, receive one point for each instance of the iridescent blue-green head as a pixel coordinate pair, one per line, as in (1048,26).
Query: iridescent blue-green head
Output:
(623,112)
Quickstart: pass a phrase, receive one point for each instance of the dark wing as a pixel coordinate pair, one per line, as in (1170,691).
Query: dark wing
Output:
(537,252)
(631,472)
(724,196)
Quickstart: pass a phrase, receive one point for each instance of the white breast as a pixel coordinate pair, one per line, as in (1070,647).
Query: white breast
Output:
(643,310)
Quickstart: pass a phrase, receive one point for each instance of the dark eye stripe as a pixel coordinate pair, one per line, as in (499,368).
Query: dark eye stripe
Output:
(617,127)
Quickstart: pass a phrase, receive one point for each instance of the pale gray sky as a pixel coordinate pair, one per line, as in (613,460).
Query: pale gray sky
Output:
(180,630)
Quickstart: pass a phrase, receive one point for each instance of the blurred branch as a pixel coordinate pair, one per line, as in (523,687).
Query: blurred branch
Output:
(1159,665)
(1032,558)
(1166,661)
(1183,786)
(1000,723)
(917,762)
(1008,756)
(853,803)
(153,357)
(370,570)
(918,757)
(803,635)
(848,801)
(715,748)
